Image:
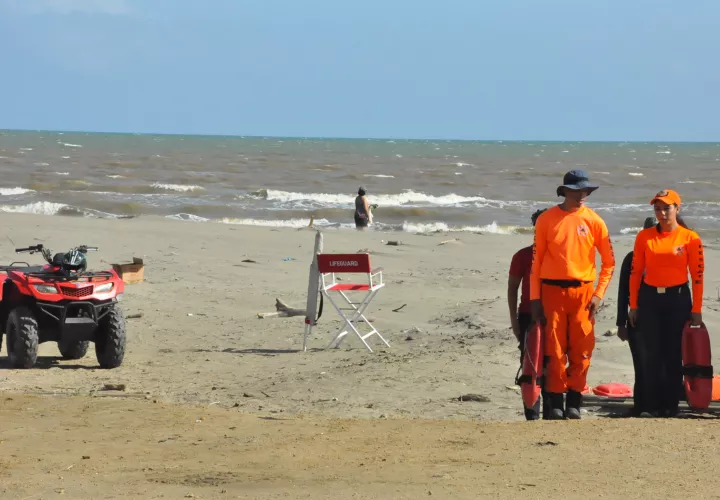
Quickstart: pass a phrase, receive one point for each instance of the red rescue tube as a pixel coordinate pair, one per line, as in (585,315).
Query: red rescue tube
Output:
(697,366)
(532,366)
(613,390)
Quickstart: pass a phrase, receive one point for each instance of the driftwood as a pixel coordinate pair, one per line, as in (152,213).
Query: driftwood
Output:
(282,311)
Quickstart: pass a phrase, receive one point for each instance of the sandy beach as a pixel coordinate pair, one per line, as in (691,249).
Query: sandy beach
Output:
(199,362)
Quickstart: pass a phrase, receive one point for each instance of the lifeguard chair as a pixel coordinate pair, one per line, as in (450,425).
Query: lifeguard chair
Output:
(357,264)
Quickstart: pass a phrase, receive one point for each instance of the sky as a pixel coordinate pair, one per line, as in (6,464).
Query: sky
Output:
(456,69)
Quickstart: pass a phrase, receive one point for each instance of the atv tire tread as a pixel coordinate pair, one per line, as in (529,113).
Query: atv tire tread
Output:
(73,350)
(110,339)
(24,342)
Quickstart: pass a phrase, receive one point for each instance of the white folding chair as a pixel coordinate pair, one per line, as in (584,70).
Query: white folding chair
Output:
(356,263)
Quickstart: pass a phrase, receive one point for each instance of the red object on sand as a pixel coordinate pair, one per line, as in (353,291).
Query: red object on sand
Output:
(697,366)
(532,366)
(613,390)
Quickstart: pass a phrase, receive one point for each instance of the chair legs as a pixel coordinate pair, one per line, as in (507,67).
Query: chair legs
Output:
(349,324)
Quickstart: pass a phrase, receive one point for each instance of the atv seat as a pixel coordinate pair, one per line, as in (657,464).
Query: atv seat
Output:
(23,269)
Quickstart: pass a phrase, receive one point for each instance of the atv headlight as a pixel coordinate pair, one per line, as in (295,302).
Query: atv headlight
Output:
(46,288)
(105,287)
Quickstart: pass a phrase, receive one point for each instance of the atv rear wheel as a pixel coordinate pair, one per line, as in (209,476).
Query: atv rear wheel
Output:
(73,350)
(22,338)
(110,339)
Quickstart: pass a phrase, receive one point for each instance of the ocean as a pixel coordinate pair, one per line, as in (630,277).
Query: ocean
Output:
(419,185)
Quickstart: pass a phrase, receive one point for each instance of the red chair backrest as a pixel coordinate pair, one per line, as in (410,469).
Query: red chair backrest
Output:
(344,263)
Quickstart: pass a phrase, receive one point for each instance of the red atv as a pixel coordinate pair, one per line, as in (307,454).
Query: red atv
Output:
(61,302)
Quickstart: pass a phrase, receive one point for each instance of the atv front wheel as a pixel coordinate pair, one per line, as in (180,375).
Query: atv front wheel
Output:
(73,350)
(22,338)
(110,339)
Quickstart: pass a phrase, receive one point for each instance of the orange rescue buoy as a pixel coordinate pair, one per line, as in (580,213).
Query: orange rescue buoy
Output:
(613,390)
(532,366)
(697,366)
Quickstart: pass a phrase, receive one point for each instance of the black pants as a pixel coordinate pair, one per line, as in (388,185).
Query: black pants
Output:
(360,221)
(524,322)
(661,321)
(638,352)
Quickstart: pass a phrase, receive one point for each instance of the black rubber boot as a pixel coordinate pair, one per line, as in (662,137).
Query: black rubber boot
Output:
(534,412)
(574,400)
(555,404)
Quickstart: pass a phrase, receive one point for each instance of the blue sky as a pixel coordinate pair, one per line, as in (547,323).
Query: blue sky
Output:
(464,69)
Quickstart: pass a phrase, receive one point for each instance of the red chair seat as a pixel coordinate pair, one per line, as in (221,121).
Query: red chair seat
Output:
(342,287)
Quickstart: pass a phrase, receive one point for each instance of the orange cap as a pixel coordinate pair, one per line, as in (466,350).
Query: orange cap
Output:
(667,196)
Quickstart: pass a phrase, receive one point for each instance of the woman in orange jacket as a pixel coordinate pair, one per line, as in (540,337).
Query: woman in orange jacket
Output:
(660,301)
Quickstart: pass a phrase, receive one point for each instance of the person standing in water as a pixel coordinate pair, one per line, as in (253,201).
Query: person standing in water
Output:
(562,295)
(660,299)
(521,317)
(628,333)
(363,214)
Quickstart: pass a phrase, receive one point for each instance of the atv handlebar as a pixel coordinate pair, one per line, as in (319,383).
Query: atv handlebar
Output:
(33,249)
(40,247)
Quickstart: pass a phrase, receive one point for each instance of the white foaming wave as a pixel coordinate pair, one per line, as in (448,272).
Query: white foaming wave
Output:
(293,223)
(14,191)
(26,149)
(187,217)
(177,187)
(39,207)
(461,164)
(115,176)
(435,227)
(387,200)
(67,144)
(41,164)
(382,176)
(636,174)
(630,230)
(61,173)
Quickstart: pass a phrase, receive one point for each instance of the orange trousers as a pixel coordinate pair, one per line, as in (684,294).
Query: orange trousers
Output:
(569,336)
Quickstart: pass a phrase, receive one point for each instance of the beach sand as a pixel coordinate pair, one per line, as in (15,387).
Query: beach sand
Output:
(200,351)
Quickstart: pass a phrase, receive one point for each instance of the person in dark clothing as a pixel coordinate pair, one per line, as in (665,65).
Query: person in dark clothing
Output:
(521,317)
(661,303)
(362,215)
(627,333)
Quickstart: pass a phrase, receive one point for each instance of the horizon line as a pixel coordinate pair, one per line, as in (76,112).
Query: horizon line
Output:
(341,138)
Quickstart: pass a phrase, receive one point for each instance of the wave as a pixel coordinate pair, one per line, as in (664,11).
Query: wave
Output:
(408,197)
(187,217)
(441,227)
(14,191)
(68,145)
(51,208)
(177,187)
(381,176)
(42,208)
(293,223)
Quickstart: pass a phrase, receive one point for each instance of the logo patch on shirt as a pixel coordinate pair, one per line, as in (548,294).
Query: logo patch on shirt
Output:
(679,250)
(583,230)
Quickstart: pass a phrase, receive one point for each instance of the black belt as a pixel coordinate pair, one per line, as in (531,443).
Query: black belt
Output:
(665,289)
(565,283)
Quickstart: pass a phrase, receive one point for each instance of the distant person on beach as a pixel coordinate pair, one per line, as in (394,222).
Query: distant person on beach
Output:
(521,317)
(363,214)
(660,300)
(626,332)
(561,290)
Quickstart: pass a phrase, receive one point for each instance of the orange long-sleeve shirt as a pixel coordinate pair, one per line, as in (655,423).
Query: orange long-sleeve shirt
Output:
(564,249)
(665,259)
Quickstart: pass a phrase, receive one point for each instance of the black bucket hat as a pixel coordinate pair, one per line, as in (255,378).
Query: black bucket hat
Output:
(576,179)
